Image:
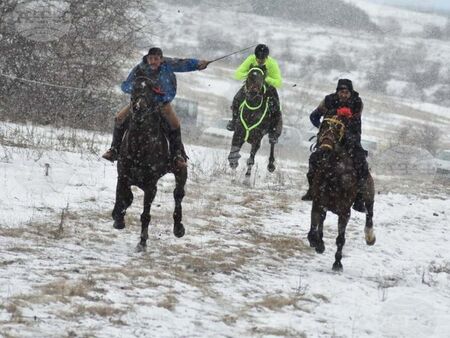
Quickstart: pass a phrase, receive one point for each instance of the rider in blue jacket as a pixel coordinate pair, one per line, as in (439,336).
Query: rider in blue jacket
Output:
(162,70)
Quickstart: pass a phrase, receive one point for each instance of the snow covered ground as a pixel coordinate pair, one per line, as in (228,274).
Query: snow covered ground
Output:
(244,267)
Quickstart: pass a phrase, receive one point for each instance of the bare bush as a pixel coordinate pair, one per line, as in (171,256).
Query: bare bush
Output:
(41,74)
(423,136)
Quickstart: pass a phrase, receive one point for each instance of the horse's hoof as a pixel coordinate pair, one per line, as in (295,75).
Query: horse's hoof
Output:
(119,225)
(312,240)
(178,230)
(370,236)
(271,167)
(141,247)
(320,247)
(337,266)
(234,165)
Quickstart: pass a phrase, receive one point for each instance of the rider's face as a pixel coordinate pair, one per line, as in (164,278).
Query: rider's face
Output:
(261,61)
(344,95)
(154,61)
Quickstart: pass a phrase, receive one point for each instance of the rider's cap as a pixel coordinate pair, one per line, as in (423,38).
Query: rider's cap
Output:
(155,51)
(261,51)
(344,84)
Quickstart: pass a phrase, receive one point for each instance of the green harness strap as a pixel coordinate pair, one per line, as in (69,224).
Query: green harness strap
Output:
(244,124)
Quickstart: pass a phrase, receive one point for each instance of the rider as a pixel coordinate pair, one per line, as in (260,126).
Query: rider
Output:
(346,104)
(270,67)
(162,70)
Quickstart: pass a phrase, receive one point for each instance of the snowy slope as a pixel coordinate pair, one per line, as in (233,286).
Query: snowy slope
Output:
(224,30)
(243,269)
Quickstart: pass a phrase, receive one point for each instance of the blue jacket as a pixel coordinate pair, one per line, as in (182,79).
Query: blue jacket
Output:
(164,75)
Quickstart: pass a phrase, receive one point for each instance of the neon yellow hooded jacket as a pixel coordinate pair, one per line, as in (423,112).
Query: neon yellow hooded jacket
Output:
(273,77)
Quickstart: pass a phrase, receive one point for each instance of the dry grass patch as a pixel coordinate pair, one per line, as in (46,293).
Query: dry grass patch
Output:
(63,288)
(270,331)
(15,312)
(99,310)
(169,302)
(277,302)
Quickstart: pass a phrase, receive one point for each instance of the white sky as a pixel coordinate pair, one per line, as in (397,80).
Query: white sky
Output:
(430,4)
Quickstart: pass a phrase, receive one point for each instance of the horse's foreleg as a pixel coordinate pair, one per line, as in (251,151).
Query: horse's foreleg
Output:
(124,198)
(271,165)
(251,159)
(369,233)
(340,240)
(178,195)
(149,196)
(234,156)
(315,235)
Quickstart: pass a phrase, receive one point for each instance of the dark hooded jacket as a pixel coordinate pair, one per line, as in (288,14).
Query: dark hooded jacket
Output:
(329,107)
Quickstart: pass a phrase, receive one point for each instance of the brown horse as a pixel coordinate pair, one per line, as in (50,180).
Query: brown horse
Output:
(144,159)
(334,188)
(259,114)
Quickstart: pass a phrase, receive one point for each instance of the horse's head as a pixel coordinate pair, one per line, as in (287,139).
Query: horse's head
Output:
(254,85)
(145,106)
(331,133)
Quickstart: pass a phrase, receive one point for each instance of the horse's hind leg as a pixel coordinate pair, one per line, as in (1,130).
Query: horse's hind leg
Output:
(178,195)
(124,198)
(340,240)
(251,159)
(369,233)
(149,196)
(315,235)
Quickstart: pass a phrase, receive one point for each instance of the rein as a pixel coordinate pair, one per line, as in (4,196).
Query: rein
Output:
(335,122)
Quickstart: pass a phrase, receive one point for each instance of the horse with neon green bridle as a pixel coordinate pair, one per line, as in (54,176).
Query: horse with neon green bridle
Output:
(259,114)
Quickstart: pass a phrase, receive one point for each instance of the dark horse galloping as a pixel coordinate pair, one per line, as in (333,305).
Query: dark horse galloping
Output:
(144,159)
(259,114)
(334,188)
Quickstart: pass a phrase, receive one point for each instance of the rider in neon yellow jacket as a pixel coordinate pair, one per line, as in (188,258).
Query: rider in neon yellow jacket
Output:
(273,75)
(262,60)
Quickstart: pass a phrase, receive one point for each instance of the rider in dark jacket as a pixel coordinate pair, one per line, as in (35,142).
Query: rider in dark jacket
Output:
(346,103)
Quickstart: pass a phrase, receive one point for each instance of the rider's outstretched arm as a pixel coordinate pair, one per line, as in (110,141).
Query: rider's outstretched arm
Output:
(182,65)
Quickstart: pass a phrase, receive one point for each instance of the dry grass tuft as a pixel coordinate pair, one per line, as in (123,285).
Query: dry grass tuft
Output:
(16,314)
(100,310)
(63,288)
(169,302)
(269,331)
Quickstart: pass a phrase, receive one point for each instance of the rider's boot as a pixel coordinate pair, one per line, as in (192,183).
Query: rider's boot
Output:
(177,152)
(313,164)
(232,123)
(359,204)
(112,153)
(308,196)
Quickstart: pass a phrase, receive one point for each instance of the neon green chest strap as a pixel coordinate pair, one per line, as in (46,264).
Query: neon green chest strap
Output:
(247,128)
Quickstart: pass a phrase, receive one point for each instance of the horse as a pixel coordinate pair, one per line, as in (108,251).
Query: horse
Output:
(144,158)
(259,114)
(334,188)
